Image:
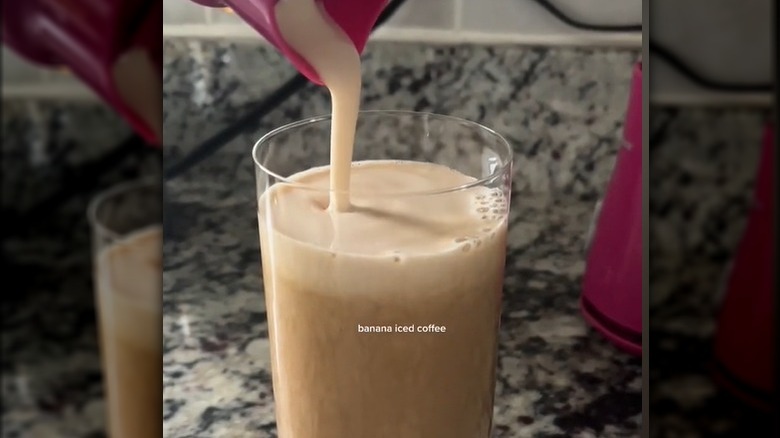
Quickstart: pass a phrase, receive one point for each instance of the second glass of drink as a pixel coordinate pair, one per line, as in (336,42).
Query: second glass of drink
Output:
(126,225)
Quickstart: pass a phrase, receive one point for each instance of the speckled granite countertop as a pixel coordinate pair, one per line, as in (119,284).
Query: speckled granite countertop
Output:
(562,110)
(556,377)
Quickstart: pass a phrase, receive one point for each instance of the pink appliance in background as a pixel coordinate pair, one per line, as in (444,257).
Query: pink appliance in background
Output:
(355,17)
(88,37)
(611,298)
(745,341)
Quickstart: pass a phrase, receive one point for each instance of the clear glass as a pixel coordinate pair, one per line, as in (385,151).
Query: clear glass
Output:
(127,259)
(384,344)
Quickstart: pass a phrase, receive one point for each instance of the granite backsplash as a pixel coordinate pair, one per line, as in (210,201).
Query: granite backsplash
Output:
(576,96)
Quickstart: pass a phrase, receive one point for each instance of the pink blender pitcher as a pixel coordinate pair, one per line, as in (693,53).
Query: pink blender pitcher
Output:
(745,340)
(611,298)
(90,37)
(354,17)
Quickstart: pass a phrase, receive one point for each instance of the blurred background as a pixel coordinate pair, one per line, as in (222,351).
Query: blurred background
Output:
(711,246)
(61,144)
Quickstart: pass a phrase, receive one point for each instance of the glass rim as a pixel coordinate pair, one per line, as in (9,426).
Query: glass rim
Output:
(124,187)
(499,170)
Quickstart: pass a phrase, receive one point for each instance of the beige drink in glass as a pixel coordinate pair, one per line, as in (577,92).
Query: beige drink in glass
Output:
(127,245)
(383,316)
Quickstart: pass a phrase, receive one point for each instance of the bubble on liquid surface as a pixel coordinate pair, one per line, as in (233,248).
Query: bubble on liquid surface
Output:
(461,239)
(482,210)
(466,247)
(395,255)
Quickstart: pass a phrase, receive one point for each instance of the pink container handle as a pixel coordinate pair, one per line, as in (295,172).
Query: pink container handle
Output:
(355,17)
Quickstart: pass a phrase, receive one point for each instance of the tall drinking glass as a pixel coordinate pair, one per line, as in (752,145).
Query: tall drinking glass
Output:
(127,251)
(383,317)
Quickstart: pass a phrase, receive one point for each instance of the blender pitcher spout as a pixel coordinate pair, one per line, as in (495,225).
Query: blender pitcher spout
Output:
(356,18)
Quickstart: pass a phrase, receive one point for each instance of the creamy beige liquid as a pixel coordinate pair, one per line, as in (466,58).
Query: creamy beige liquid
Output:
(308,29)
(129,275)
(348,260)
(436,259)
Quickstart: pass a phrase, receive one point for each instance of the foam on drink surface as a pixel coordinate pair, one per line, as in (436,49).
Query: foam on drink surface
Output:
(386,218)
(385,233)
